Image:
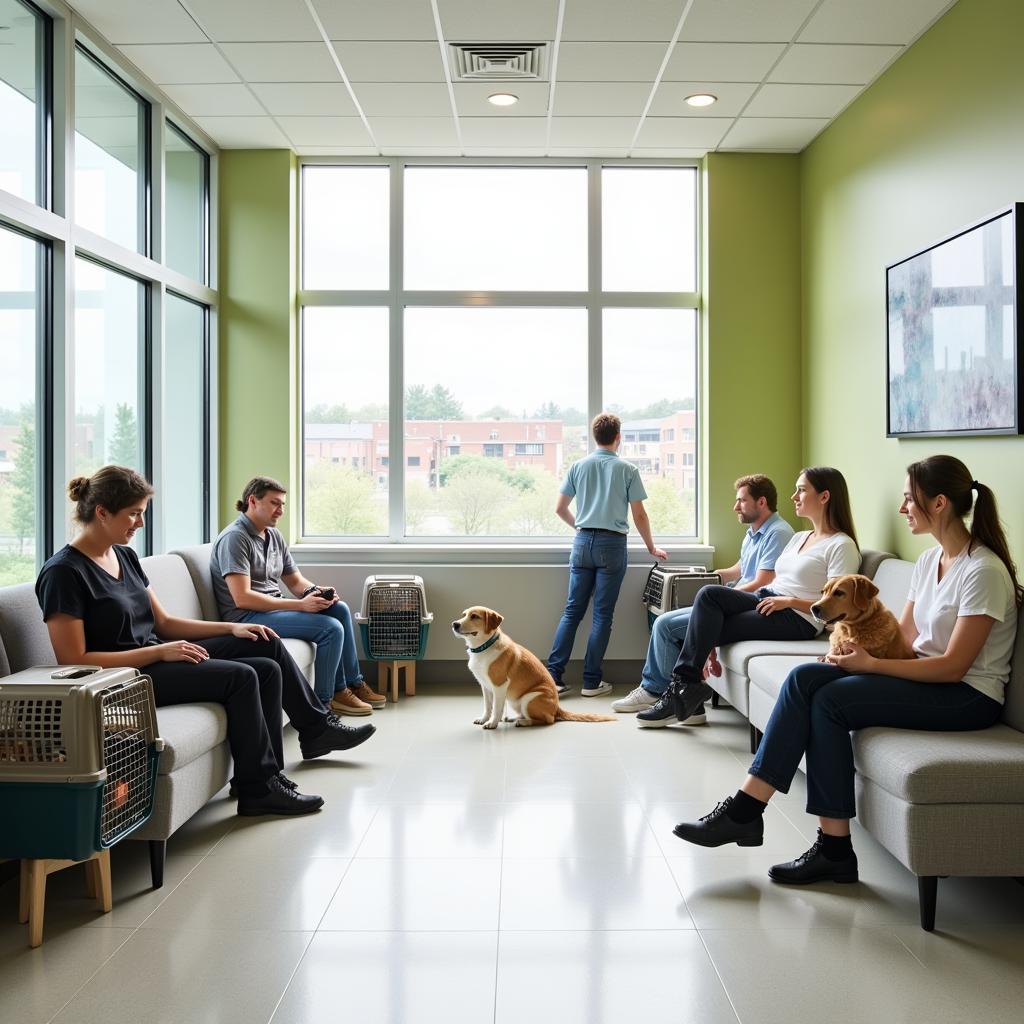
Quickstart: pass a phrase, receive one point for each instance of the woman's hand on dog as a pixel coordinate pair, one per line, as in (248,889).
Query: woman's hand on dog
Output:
(770,605)
(858,660)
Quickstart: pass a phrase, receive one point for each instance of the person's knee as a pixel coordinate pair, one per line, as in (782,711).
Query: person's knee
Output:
(244,680)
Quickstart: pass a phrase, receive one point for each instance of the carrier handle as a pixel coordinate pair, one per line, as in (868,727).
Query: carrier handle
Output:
(647,582)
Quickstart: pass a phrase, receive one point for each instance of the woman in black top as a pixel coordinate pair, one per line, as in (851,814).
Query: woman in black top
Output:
(99,610)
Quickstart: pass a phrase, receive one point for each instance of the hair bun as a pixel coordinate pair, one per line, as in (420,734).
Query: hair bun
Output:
(78,487)
(975,486)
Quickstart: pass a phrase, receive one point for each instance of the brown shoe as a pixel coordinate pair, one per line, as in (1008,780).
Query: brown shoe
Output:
(345,702)
(371,697)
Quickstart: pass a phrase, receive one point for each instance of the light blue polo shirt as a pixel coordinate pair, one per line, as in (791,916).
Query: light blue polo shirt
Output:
(603,485)
(761,547)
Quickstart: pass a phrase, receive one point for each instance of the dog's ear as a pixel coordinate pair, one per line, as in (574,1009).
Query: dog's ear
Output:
(863,591)
(829,586)
(492,620)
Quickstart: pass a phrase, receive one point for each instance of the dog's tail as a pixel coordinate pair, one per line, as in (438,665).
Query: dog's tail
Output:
(561,715)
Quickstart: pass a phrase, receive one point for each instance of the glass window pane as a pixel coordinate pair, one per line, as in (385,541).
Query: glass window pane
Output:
(496,228)
(650,374)
(21,109)
(19,445)
(493,426)
(345,421)
(186,171)
(345,227)
(110,155)
(649,229)
(108,342)
(185,398)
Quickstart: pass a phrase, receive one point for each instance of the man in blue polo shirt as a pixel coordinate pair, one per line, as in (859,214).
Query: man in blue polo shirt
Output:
(604,487)
(767,535)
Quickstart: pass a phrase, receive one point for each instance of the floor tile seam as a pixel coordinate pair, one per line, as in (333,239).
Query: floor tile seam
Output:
(291,977)
(718,975)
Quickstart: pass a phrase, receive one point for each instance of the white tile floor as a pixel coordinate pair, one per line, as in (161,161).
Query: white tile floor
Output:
(527,875)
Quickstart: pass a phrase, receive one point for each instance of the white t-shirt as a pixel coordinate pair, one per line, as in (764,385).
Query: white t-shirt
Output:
(974,584)
(802,574)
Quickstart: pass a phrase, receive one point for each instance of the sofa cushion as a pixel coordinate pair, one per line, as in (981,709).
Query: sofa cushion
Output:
(737,657)
(197,560)
(986,766)
(23,633)
(871,560)
(189,731)
(303,652)
(893,582)
(768,672)
(1013,711)
(172,584)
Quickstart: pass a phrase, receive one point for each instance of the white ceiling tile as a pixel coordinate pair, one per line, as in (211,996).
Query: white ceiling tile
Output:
(683,132)
(402,133)
(599,132)
(421,151)
(336,151)
(789,134)
(471,99)
(872,21)
(609,152)
(215,100)
(180,62)
(140,21)
(282,62)
(408,99)
(721,62)
(504,132)
(329,99)
(255,20)
(833,63)
(747,20)
(325,131)
(513,152)
(669,100)
(609,62)
(612,99)
(801,100)
(381,19)
(391,62)
(668,153)
(243,132)
(470,21)
(613,20)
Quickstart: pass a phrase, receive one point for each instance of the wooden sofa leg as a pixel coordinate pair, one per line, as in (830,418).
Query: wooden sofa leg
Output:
(927,893)
(755,738)
(714,700)
(157,856)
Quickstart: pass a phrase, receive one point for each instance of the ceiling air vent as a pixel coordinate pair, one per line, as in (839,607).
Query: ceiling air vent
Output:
(498,62)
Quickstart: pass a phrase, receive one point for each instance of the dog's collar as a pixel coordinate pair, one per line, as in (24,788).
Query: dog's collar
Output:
(484,646)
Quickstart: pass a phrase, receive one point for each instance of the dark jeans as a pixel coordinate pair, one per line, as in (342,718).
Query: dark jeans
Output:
(597,566)
(253,680)
(820,704)
(722,615)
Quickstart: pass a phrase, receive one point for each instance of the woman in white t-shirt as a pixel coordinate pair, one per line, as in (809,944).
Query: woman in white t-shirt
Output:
(960,618)
(723,615)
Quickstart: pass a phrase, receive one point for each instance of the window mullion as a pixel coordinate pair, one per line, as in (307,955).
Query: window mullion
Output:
(594,300)
(396,356)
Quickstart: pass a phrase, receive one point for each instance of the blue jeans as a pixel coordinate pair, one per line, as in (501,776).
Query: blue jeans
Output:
(597,567)
(820,704)
(337,663)
(667,637)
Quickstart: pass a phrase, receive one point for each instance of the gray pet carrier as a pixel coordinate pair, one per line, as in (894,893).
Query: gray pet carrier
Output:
(393,621)
(676,587)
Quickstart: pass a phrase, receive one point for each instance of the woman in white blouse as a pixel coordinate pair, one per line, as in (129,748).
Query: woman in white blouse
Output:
(960,618)
(722,615)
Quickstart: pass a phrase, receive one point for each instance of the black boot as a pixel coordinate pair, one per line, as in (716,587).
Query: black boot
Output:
(814,866)
(689,697)
(718,829)
(284,780)
(336,735)
(279,799)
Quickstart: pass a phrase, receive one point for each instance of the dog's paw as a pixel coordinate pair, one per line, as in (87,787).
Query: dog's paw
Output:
(490,725)
(479,721)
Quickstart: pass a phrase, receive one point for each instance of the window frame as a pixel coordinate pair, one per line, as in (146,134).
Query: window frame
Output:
(396,298)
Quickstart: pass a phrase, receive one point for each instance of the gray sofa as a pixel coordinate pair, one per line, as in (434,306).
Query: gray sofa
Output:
(941,803)
(196,760)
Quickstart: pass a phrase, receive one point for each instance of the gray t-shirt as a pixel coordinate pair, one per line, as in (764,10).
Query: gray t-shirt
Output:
(241,549)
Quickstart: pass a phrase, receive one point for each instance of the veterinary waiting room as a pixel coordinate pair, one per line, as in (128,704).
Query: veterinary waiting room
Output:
(511,515)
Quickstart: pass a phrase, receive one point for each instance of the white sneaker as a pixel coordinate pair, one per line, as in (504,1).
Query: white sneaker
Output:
(563,689)
(597,691)
(638,700)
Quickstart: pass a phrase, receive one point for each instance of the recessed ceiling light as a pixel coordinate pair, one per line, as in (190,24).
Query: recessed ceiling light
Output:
(502,99)
(701,99)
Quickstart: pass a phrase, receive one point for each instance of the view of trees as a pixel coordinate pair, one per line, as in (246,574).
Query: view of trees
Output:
(18,501)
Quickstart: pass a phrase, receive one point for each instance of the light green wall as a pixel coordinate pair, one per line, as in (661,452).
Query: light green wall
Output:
(751,332)
(934,144)
(258,350)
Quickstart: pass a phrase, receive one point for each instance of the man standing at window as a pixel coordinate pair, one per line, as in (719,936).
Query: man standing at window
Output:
(604,487)
(252,570)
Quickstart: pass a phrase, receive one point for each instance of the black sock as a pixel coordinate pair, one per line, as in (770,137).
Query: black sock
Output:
(836,847)
(745,808)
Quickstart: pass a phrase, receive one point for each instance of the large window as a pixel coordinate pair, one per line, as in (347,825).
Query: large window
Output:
(503,329)
(20,447)
(186,185)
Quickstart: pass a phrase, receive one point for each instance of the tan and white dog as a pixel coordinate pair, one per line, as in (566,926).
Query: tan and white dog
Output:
(850,604)
(511,675)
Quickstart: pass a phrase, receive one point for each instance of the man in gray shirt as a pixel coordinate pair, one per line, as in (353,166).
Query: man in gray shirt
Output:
(252,571)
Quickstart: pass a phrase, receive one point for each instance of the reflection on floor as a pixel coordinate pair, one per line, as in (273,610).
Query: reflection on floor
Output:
(457,875)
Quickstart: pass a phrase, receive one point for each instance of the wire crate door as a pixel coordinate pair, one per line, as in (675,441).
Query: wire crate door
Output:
(394,621)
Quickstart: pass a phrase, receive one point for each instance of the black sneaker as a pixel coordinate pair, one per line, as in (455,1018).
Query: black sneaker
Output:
(282,778)
(814,866)
(279,799)
(664,713)
(336,735)
(689,697)
(718,829)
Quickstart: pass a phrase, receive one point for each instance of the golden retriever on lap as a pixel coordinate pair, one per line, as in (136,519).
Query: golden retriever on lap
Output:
(851,604)
(510,674)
